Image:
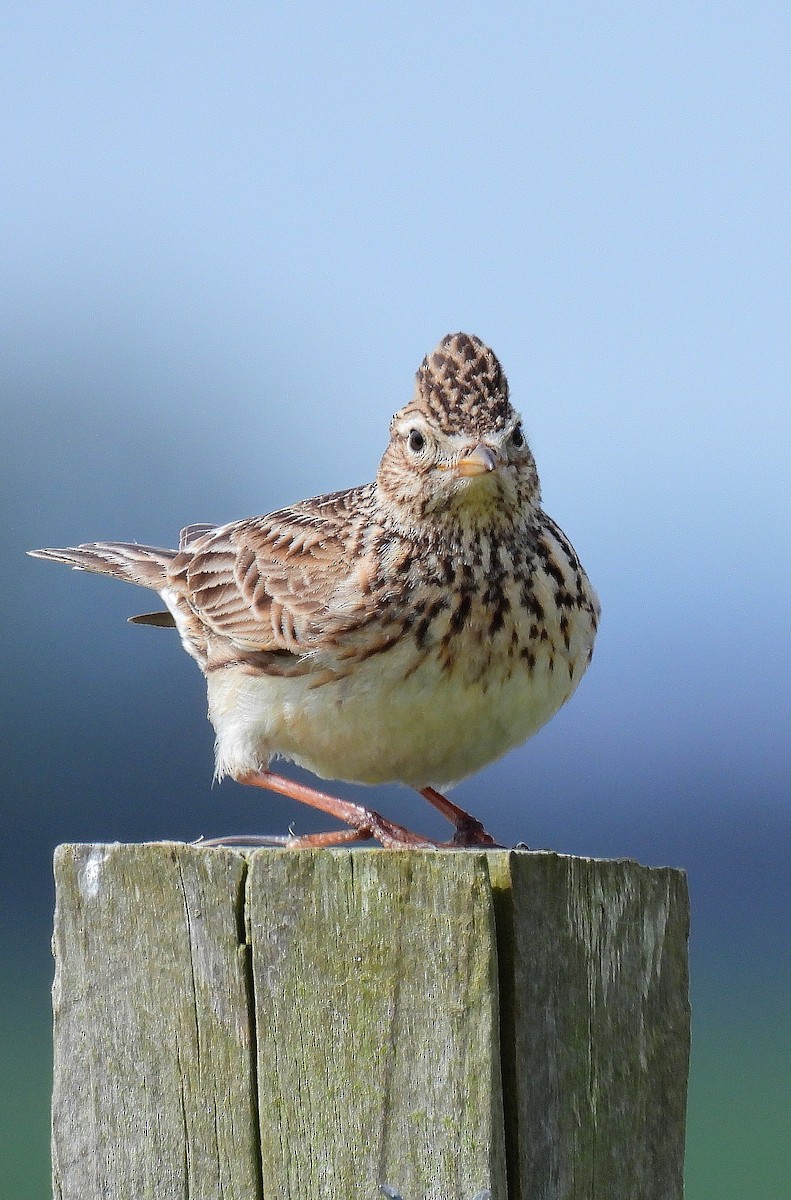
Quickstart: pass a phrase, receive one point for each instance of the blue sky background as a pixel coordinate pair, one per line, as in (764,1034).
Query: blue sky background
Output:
(229,235)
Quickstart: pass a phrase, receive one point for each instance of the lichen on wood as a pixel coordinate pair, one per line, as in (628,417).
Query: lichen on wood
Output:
(357,1023)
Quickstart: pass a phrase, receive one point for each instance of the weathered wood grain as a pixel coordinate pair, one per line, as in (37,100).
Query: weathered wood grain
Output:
(378,1033)
(154,1070)
(326,1023)
(595,1026)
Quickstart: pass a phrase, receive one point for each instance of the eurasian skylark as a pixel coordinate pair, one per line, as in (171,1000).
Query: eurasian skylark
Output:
(411,630)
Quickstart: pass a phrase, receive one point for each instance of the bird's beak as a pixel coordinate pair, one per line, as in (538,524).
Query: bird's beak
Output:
(478,461)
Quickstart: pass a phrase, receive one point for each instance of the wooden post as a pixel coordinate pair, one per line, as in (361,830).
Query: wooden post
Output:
(347,1024)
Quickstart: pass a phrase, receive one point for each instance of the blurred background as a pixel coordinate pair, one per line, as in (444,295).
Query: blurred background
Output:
(230,232)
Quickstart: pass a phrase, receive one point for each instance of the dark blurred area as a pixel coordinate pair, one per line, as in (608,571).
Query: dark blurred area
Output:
(231,239)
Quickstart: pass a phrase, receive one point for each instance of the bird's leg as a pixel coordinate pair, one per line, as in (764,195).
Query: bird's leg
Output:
(469,831)
(364,821)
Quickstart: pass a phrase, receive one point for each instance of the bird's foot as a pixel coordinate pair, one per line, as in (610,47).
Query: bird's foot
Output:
(364,823)
(469,830)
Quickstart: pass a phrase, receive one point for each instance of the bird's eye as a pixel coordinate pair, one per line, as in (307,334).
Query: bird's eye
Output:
(416,441)
(517,437)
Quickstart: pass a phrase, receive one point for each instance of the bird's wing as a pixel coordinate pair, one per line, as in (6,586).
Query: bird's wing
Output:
(191,533)
(283,582)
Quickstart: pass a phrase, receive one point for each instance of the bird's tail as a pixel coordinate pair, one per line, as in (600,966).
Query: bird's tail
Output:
(144,565)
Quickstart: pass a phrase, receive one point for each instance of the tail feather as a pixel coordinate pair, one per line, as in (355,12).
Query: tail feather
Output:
(165,620)
(143,565)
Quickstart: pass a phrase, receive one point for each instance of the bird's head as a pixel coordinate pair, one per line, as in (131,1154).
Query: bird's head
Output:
(457,452)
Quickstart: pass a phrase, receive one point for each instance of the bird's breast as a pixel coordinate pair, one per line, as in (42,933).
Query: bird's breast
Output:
(471,674)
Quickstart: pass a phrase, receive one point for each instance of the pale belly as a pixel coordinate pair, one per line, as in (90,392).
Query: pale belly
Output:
(376,726)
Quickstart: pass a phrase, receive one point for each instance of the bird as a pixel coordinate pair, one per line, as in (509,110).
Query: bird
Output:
(411,630)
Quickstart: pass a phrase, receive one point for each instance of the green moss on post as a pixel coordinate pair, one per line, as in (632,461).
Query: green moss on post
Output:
(154,1092)
(322,1023)
(376,1002)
